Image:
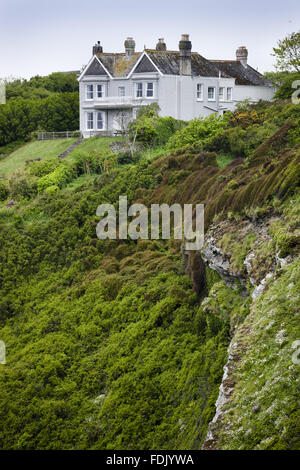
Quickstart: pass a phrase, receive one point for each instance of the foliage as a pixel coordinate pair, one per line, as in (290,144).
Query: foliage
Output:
(151,129)
(20,117)
(198,130)
(62,175)
(35,155)
(41,87)
(287,53)
(107,345)
(3,191)
(286,88)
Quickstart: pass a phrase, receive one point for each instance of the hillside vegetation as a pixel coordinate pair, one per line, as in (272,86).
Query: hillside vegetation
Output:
(114,344)
(41,149)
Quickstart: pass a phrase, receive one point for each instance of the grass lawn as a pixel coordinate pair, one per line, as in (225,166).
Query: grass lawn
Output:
(38,149)
(94,144)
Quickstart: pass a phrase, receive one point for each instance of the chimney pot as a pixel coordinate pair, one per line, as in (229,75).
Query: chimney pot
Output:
(129,44)
(97,48)
(161,45)
(242,55)
(185,55)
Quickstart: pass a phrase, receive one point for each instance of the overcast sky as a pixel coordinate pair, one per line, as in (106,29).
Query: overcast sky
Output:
(44,36)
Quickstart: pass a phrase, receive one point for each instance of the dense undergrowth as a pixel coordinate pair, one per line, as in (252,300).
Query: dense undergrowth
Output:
(108,347)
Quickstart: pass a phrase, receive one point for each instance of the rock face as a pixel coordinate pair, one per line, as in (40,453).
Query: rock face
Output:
(217,261)
(225,390)
(255,262)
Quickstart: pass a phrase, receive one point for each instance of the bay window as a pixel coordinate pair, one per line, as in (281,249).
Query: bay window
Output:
(229,94)
(99,91)
(221,93)
(89,92)
(90,121)
(139,90)
(211,93)
(100,121)
(150,90)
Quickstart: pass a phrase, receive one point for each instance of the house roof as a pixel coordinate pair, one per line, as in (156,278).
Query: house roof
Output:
(243,75)
(168,63)
(119,65)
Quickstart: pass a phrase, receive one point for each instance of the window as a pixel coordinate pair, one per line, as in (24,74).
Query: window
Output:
(121,91)
(221,93)
(199,91)
(89,92)
(139,90)
(90,120)
(211,93)
(100,123)
(149,90)
(229,94)
(99,91)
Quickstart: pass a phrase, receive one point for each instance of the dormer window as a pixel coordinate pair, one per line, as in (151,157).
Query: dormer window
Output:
(211,93)
(199,92)
(139,90)
(150,90)
(89,92)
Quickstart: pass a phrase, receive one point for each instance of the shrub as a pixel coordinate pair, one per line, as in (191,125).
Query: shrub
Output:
(59,177)
(52,189)
(3,191)
(44,167)
(198,129)
(22,186)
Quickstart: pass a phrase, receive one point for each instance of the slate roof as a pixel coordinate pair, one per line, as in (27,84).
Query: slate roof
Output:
(119,65)
(243,75)
(168,63)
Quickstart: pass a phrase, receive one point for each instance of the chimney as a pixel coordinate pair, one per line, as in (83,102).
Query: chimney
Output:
(242,55)
(129,46)
(185,55)
(97,48)
(161,45)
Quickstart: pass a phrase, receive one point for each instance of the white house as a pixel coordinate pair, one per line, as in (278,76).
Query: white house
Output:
(183,83)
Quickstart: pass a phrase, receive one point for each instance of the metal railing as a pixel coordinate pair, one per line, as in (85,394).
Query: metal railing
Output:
(59,135)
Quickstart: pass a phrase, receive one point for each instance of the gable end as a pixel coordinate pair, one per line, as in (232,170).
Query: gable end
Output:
(145,66)
(95,69)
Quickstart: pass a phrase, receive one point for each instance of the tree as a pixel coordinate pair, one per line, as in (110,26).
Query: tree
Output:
(288,53)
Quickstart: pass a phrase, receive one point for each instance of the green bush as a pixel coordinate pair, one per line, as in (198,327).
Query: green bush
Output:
(199,130)
(59,177)
(285,90)
(3,191)
(43,167)
(22,187)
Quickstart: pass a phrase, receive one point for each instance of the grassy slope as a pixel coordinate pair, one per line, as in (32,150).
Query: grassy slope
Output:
(95,144)
(39,149)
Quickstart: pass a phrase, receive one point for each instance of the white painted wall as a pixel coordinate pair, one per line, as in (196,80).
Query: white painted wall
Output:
(175,95)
